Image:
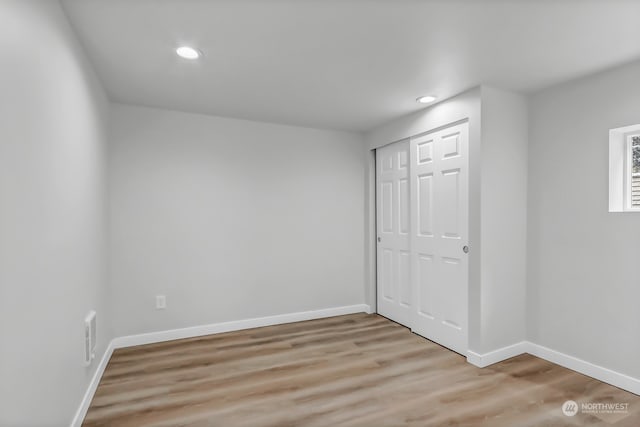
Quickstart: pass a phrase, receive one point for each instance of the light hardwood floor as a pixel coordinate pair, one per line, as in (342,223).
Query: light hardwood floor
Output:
(355,370)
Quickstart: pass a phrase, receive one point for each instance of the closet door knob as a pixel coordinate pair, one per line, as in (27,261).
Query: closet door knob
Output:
(465,249)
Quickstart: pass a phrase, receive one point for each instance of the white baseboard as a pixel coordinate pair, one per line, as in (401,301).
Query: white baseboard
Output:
(236,325)
(196,331)
(495,356)
(606,375)
(78,418)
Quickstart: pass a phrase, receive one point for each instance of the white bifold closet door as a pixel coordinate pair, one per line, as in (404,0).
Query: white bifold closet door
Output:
(429,257)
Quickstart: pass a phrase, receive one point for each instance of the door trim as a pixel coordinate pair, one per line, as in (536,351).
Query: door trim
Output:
(371,285)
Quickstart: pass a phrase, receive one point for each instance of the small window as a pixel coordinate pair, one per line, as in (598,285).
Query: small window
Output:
(624,169)
(633,175)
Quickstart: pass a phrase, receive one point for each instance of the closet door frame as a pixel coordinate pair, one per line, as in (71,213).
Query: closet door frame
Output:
(462,345)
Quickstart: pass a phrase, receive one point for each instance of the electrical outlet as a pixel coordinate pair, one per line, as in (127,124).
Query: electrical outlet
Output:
(161,302)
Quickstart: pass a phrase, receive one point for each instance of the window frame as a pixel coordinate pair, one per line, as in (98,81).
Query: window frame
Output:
(629,175)
(619,168)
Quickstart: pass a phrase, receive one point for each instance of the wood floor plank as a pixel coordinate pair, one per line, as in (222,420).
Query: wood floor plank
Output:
(356,370)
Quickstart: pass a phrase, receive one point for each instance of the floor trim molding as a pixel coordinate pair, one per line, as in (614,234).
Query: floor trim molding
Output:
(78,418)
(235,325)
(603,374)
(589,369)
(606,375)
(498,355)
(196,331)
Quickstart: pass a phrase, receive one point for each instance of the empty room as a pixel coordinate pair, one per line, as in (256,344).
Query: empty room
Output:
(319,213)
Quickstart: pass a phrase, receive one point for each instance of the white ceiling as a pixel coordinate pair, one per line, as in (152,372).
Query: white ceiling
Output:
(350,64)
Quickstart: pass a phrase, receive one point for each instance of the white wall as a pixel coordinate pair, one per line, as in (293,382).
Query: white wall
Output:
(504,218)
(230,219)
(52,225)
(583,288)
(464,106)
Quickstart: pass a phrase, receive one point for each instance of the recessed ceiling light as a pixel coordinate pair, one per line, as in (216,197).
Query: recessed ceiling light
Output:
(187,52)
(426,99)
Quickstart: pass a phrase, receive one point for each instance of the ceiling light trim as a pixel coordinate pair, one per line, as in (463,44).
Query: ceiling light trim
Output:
(426,99)
(188,52)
